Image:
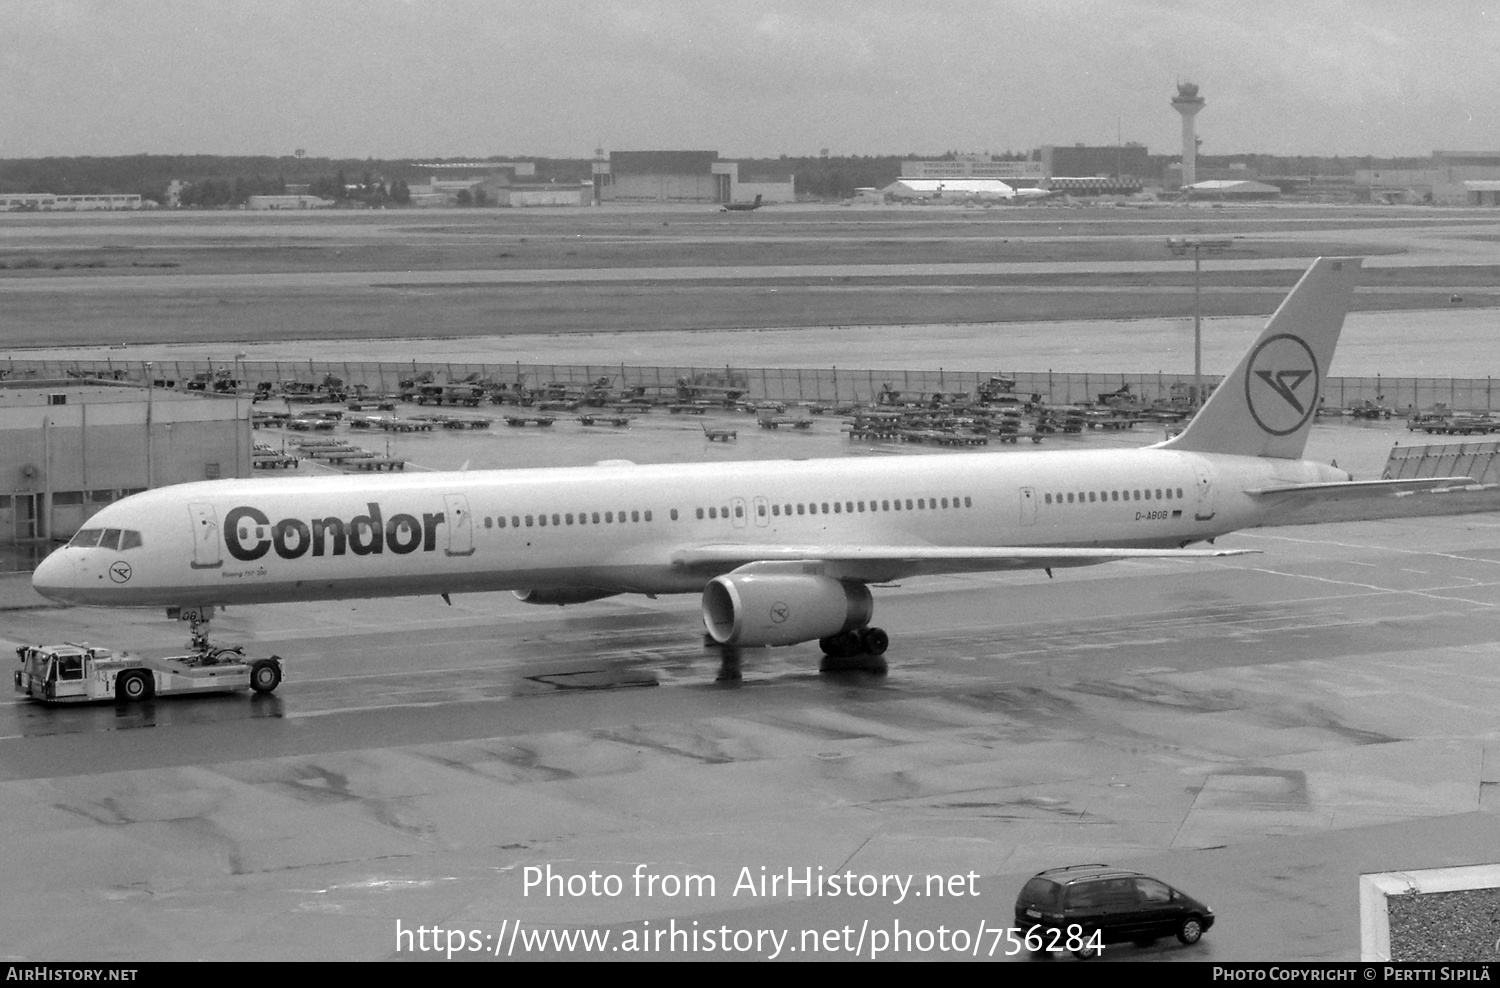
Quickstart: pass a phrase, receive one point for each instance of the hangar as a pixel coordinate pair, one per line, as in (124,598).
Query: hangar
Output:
(69,447)
(688,176)
(1482,193)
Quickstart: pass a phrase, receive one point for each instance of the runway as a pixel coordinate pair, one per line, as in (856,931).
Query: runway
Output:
(1258,730)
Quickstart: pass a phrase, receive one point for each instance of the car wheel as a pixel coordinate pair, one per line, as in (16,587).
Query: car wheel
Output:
(1191,930)
(1085,952)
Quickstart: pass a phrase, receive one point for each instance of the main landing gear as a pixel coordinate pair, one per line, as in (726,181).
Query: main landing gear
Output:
(860,650)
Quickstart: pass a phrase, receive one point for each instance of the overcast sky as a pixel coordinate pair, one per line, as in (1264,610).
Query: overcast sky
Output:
(416,78)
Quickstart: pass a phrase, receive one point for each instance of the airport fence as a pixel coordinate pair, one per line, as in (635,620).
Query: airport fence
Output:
(787,384)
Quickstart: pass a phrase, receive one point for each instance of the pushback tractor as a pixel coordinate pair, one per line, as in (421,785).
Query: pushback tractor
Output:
(73,672)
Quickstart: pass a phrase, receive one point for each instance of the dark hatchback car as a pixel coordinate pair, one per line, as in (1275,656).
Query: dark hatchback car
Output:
(1121,905)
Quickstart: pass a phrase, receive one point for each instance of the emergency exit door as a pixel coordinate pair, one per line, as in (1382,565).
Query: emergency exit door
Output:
(1028,505)
(460,525)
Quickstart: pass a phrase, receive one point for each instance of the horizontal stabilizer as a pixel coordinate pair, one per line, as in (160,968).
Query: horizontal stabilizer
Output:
(1341,489)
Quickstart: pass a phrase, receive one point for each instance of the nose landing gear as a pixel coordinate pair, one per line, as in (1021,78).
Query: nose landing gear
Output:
(197,619)
(204,651)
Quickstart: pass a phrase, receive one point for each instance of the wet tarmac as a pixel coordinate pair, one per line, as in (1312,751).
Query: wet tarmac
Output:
(1257,730)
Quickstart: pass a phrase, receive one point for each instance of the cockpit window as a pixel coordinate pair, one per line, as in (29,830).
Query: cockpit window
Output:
(117,539)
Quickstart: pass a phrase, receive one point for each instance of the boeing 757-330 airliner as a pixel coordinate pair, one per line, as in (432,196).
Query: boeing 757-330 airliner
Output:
(782,552)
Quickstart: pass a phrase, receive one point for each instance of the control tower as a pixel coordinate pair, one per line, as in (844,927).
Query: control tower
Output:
(1187,102)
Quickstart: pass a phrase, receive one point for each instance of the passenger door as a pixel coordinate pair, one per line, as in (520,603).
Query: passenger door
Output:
(205,536)
(737,506)
(1122,920)
(1158,911)
(1203,509)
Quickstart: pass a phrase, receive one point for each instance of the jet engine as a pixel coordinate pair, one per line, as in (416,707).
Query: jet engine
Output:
(781,608)
(563,595)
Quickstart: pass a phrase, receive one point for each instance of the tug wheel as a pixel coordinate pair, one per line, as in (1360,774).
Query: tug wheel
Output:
(265,675)
(134,686)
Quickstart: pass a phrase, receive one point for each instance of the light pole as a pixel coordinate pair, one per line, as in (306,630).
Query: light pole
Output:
(1197,326)
(149,464)
(1180,246)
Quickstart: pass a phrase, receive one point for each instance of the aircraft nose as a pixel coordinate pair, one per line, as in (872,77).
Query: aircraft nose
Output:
(56,576)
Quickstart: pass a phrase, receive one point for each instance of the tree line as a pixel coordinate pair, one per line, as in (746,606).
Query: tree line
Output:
(212,180)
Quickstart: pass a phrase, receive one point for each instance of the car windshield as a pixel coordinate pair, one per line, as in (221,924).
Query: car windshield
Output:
(1041,892)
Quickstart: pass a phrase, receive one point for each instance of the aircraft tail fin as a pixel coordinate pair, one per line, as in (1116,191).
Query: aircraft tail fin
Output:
(1266,405)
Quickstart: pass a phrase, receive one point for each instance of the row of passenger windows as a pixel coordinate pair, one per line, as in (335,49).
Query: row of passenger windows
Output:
(1081,497)
(581,518)
(118,539)
(560,519)
(848,507)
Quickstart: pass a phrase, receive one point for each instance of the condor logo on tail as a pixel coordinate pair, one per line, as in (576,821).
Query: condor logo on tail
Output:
(1276,387)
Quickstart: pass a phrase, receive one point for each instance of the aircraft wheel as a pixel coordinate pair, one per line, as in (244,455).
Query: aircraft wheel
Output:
(852,651)
(841,645)
(135,685)
(859,662)
(265,675)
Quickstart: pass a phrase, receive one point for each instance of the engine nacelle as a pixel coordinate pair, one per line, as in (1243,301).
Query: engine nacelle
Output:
(782,608)
(563,595)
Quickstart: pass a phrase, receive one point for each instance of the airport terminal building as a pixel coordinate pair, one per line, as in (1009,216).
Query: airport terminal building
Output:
(68,448)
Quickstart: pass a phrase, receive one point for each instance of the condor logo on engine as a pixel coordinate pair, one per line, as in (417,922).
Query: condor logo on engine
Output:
(249,534)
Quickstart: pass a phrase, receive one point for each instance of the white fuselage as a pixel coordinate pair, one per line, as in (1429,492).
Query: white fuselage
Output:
(616,527)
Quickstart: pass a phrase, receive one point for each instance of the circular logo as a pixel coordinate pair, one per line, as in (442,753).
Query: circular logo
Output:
(780,612)
(119,571)
(1282,384)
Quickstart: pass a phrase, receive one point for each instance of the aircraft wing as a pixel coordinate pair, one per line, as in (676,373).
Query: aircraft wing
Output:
(1339,490)
(880,563)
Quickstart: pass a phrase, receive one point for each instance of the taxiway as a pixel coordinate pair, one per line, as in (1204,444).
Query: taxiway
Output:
(1258,729)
